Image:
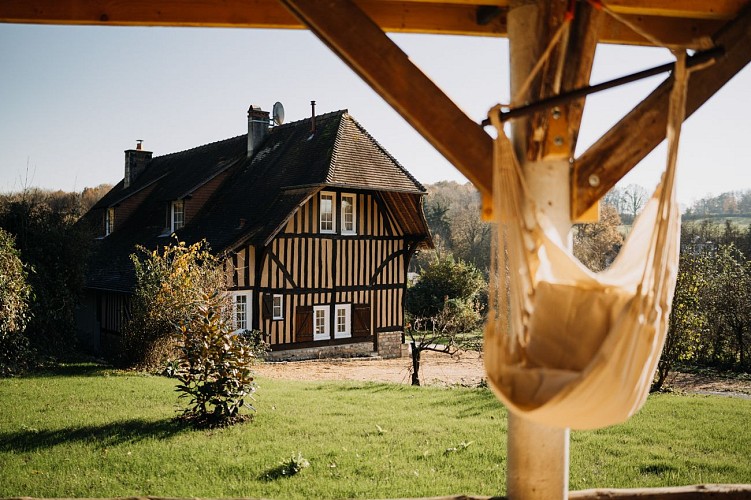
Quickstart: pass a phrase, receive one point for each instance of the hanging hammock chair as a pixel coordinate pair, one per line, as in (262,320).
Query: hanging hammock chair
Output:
(566,347)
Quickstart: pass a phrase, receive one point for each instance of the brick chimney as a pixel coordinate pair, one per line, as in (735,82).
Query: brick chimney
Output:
(135,162)
(258,127)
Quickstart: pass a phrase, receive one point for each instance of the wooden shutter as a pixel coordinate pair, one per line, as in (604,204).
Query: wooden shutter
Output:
(361,320)
(268,306)
(304,324)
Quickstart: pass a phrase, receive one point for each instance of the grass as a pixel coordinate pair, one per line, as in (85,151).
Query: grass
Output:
(86,431)
(739,221)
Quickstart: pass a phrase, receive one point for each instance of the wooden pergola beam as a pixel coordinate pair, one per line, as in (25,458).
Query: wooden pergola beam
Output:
(677,23)
(641,130)
(446,17)
(449,17)
(690,9)
(358,41)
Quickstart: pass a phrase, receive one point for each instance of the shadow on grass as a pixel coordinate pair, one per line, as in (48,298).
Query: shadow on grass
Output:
(274,474)
(657,469)
(115,433)
(71,370)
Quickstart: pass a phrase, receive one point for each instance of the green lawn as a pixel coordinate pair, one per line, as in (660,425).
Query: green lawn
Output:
(91,432)
(739,221)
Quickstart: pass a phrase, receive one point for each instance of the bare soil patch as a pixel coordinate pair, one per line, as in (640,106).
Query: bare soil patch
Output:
(465,369)
(712,383)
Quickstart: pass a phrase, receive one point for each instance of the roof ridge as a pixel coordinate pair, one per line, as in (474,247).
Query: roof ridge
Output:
(362,129)
(324,115)
(185,151)
(333,163)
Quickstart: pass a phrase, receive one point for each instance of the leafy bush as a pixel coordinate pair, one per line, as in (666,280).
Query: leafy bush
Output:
(15,293)
(444,278)
(55,247)
(214,364)
(168,284)
(688,321)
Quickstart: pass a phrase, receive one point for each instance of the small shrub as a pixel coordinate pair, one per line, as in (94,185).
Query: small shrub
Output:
(288,468)
(214,365)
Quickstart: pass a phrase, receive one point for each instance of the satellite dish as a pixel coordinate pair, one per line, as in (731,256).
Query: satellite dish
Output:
(278,113)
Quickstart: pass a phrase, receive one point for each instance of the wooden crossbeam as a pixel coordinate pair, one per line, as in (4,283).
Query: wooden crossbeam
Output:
(358,41)
(690,9)
(641,130)
(676,23)
(445,17)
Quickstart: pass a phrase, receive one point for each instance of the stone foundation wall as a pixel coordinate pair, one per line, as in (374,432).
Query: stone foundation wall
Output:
(390,344)
(359,349)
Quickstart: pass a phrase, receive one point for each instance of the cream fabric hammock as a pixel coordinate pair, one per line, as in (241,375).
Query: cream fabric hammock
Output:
(566,347)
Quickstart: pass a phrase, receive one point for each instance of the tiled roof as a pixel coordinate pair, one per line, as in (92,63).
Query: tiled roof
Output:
(360,161)
(256,197)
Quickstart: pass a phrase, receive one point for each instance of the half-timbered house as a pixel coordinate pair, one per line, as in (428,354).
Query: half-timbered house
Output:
(317,220)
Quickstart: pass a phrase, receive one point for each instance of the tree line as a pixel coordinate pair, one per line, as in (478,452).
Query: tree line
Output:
(39,233)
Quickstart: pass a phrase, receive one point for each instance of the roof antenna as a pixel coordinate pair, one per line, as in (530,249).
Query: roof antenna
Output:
(313,117)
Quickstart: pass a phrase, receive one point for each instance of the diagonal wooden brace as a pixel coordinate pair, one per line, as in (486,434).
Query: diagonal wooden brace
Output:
(641,130)
(358,41)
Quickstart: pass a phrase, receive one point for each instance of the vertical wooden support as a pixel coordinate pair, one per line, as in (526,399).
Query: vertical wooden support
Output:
(537,454)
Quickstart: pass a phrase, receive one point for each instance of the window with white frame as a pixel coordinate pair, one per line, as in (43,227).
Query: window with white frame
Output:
(109,221)
(277,307)
(321,323)
(177,215)
(327,206)
(343,323)
(349,211)
(241,310)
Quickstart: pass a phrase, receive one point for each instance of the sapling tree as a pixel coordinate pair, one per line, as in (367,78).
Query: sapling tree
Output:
(214,364)
(444,304)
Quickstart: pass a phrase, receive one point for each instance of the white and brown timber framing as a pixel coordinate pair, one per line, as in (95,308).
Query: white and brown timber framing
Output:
(367,270)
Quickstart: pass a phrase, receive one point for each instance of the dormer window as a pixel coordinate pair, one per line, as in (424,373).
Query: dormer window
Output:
(327,212)
(109,221)
(177,215)
(349,211)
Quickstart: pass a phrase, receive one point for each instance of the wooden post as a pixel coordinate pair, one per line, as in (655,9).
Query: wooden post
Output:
(537,455)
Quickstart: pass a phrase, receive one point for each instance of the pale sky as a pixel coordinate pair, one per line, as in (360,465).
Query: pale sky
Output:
(72,99)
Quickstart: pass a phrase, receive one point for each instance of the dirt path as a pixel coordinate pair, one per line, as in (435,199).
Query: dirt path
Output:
(465,369)
(436,369)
